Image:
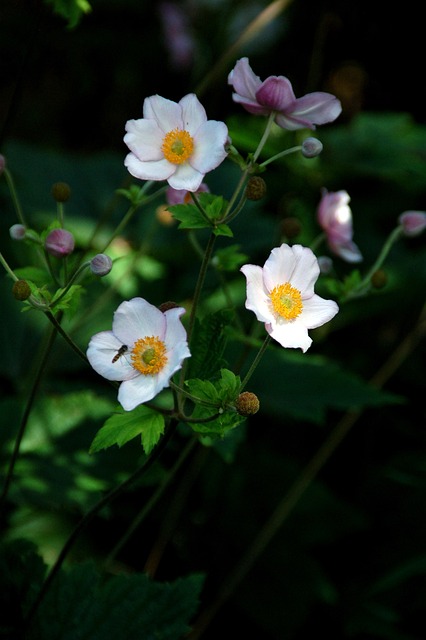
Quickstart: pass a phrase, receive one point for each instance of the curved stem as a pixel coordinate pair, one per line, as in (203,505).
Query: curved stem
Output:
(50,338)
(303,482)
(256,361)
(88,517)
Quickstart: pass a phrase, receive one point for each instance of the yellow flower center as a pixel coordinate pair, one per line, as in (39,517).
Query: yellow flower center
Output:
(177,146)
(286,301)
(148,355)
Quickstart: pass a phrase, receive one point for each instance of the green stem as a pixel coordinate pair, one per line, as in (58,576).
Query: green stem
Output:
(265,136)
(151,503)
(73,278)
(365,283)
(281,155)
(256,361)
(49,315)
(28,406)
(88,517)
(14,195)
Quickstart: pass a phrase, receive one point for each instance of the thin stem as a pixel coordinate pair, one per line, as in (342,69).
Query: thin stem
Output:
(281,154)
(256,361)
(14,195)
(28,406)
(365,283)
(151,503)
(73,278)
(200,282)
(303,482)
(88,517)
(49,315)
(265,136)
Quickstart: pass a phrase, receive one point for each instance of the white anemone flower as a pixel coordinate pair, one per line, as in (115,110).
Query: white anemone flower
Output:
(174,141)
(143,350)
(281,294)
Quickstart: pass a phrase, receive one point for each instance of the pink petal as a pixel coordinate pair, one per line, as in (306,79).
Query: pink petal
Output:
(244,81)
(276,93)
(316,108)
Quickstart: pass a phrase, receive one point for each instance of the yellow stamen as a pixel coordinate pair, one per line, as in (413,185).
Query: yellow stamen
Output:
(177,146)
(286,301)
(149,355)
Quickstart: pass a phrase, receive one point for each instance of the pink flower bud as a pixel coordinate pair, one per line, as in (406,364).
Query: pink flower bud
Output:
(101,265)
(17,232)
(311,147)
(182,196)
(59,243)
(2,163)
(412,222)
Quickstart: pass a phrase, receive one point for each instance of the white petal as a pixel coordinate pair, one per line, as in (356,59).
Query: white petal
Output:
(279,267)
(185,177)
(306,270)
(144,138)
(137,391)
(175,331)
(193,113)
(136,319)
(166,113)
(317,311)
(209,146)
(292,335)
(258,299)
(156,170)
(101,351)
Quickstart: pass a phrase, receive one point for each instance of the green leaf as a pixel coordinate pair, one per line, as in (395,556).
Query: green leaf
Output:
(126,425)
(190,216)
(85,604)
(71,10)
(223,230)
(305,386)
(37,275)
(218,395)
(69,300)
(229,258)
(208,344)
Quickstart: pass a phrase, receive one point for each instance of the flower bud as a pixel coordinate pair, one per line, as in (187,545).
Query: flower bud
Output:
(164,216)
(59,243)
(101,265)
(379,279)
(2,163)
(325,264)
(291,227)
(247,404)
(311,147)
(61,191)
(256,188)
(412,222)
(165,306)
(17,232)
(21,290)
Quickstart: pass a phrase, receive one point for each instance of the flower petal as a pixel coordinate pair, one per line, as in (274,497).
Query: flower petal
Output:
(193,113)
(155,170)
(209,146)
(312,109)
(244,80)
(297,265)
(136,319)
(276,93)
(258,299)
(144,138)
(292,335)
(186,177)
(317,311)
(102,348)
(175,331)
(166,113)
(138,390)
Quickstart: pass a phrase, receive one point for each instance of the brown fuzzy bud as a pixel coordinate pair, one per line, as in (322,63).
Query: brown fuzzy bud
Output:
(247,404)
(291,227)
(379,279)
(256,188)
(21,290)
(61,191)
(165,306)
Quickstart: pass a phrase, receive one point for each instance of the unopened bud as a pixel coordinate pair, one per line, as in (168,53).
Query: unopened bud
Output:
(291,227)
(256,188)
(101,265)
(311,147)
(164,216)
(2,163)
(17,232)
(61,191)
(325,264)
(59,243)
(379,279)
(21,290)
(412,222)
(165,306)
(247,404)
